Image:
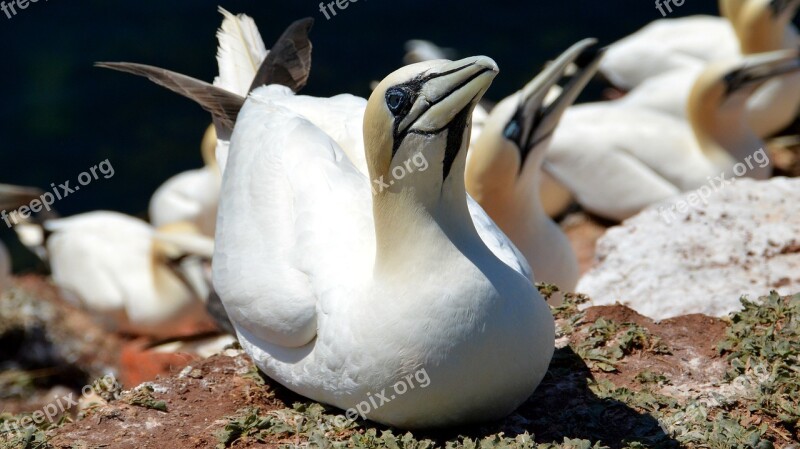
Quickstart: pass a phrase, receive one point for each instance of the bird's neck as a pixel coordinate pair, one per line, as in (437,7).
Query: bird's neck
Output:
(723,134)
(413,223)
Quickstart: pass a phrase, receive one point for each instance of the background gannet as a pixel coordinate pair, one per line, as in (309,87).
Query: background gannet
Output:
(138,278)
(504,168)
(762,26)
(665,45)
(617,160)
(337,293)
(692,42)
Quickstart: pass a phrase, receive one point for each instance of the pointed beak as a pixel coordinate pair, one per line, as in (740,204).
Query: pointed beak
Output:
(757,69)
(535,120)
(447,91)
(12,197)
(780,7)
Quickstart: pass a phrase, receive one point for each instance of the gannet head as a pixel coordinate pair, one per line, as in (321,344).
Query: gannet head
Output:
(417,124)
(721,92)
(761,24)
(508,155)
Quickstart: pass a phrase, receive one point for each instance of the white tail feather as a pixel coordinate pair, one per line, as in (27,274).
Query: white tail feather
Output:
(241,52)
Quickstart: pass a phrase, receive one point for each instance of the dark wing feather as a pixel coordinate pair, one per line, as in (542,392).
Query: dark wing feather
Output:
(224,106)
(289,60)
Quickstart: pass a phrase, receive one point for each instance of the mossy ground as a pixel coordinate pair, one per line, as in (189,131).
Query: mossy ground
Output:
(617,381)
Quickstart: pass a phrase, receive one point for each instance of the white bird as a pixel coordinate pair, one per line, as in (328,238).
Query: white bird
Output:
(762,26)
(134,277)
(130,275)
(504,169)
(339,294)
(672,44)
(617,159)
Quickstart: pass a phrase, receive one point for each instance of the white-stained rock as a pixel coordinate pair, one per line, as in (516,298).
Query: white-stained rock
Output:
(689,256)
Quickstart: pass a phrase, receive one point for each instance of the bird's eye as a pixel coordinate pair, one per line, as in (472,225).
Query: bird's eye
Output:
(396,99)
(513,131)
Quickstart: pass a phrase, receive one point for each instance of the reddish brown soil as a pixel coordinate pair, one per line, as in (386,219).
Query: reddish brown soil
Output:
(199,403)
(583,232)
(691,339)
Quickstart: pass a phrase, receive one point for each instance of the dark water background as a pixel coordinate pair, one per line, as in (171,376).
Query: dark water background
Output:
(60,116)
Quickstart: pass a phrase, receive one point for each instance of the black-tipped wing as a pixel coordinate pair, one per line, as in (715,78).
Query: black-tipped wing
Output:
(289,60)
(223,105)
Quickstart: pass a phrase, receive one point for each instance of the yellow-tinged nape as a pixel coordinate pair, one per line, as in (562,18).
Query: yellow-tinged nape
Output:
(730,9)
(495,163)
(208,147)
(175,240)
(761,25)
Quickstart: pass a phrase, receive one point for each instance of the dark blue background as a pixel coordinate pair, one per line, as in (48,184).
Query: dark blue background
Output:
(60,116)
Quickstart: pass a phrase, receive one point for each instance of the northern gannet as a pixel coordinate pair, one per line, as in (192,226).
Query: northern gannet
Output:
(691,42)
(618,160)
(504,168)
(132,276)
(762,26)
(339,294)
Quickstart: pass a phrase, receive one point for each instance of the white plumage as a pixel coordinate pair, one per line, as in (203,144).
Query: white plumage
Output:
(661,75)
(118,267)
(240,53)
(619,159)
(666,45)
(337,300)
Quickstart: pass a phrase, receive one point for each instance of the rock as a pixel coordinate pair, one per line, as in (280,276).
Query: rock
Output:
(689,256)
